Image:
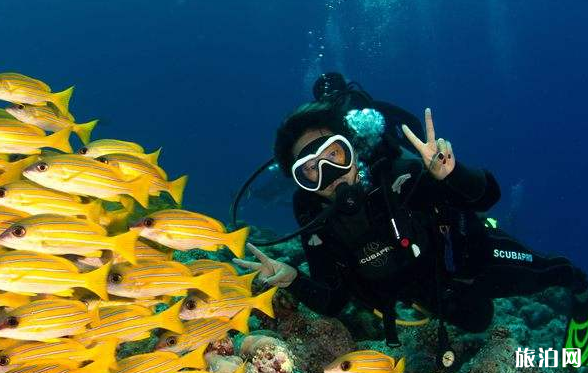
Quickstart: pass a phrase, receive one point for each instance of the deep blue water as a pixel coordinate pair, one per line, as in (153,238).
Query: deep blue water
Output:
(211,80)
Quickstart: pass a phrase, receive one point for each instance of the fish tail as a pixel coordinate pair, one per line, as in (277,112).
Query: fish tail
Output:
(124,244)
(263,302)
(246,281)
(117,220)
(61,100)
(60,140)
(208,283)
(170,319)
(140,190)
(194,359)
(104,350)
(127,203)
(176,188)
(84,131)
(236,241)
(96,281)
(153,157)
(240,321)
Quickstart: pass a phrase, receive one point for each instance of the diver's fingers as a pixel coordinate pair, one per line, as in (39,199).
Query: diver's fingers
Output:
(264,259)
(418,144)
(429,125)
(247,264)
(442,148)
(271,280)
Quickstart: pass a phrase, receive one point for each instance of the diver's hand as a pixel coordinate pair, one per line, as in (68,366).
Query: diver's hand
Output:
(271,271)
(437,154)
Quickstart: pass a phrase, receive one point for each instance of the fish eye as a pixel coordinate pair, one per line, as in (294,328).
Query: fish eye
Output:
(171,341)
(4,361)
(12,322)
(346,365)
(20,106)
(83,150)
(102,159)
(148,222)
(42,166)
(2,192)
(19,231)
(190,304)
(115,278)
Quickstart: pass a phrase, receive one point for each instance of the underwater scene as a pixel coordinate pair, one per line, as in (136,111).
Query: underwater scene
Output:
(271,186)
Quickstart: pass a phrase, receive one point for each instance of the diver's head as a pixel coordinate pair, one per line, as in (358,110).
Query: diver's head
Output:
(327,84)
(313,146)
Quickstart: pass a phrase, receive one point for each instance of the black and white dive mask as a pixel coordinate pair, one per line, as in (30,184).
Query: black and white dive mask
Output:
(322,161)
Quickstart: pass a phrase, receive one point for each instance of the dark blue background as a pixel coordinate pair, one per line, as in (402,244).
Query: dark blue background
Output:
(211,80)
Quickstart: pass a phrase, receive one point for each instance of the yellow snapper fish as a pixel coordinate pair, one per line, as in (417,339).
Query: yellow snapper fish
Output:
(64,351)
(12,171)
(46,320)
(49,119)
(202,331)
(21,138)
(151,279)
(58,234)
(76,174)
(162,362)
(133,166)
(185,230)
(18,88)
(30,273)
(230,277)
(366,361)
(131,323)
(34,199)
(9,216)
(102,147)
(13,300)
(231,302)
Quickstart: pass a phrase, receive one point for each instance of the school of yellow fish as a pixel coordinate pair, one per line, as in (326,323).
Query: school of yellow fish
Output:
(77,279)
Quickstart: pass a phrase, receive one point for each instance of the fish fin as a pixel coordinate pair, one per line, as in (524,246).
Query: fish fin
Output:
(65,293)
(208,283)
(84,131)
(51,340)
(236,241)
(128,203)
(399,367)
(60,140)
(117,220)
(153,157)
(240,321)
(105,349)
(94,210)
(263,302)
(194,359)
(125,245)
(140,189)
(170,319)
(61,100)
(240,368)
(176,188)
(246,281)
(93,254)
(96,281)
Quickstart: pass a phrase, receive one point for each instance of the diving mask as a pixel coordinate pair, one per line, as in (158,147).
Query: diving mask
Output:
(323,161)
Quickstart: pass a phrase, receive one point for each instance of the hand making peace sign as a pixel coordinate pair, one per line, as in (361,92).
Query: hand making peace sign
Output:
(437,154)
(271,271)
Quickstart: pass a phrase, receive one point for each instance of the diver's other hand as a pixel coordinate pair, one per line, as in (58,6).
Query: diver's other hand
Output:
(271,271)
(437,154)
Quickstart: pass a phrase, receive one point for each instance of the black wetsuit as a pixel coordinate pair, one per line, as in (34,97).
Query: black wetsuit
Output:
(357,256)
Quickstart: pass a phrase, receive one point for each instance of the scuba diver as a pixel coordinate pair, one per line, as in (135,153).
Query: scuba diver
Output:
(388,214)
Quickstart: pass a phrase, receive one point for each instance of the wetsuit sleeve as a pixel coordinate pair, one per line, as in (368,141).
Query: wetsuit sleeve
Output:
(474,189)
(324,291)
